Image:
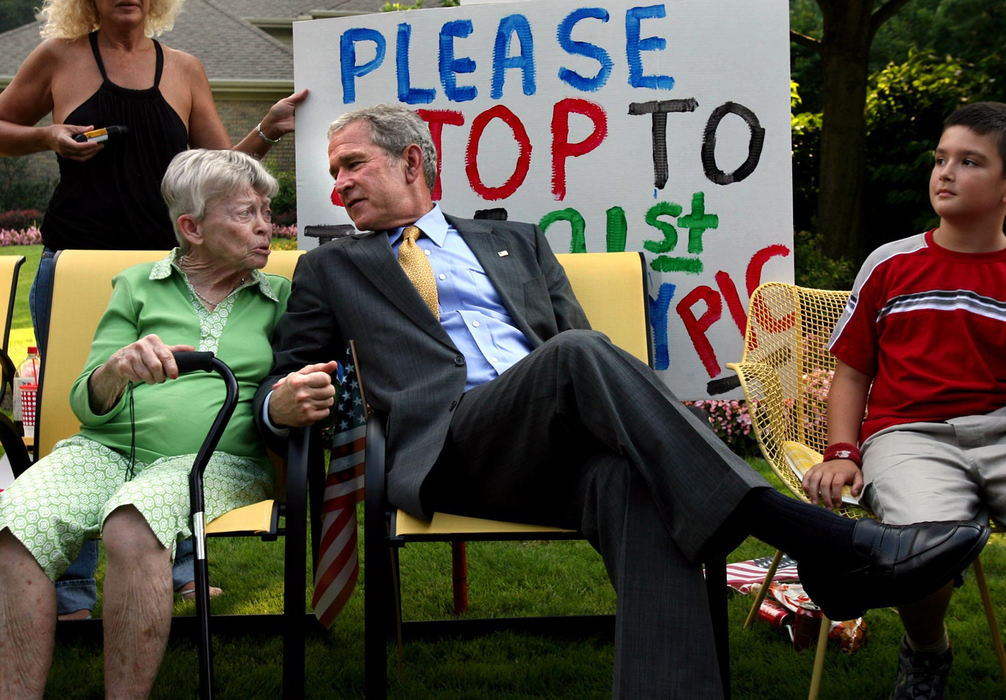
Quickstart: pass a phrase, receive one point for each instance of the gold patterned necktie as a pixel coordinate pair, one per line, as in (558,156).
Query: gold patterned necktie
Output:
(418,269)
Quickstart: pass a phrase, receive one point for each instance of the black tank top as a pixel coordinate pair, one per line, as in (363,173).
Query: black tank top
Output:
(113,201)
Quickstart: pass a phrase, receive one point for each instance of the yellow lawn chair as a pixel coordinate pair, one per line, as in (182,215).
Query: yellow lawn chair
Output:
(785,374)
(10,438)
(612,289)
(81,290)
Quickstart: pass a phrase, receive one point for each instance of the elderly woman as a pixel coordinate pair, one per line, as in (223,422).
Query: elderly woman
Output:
(124,475)
(99,66)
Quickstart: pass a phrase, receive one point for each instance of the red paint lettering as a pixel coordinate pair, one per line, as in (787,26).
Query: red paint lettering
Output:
(471,154)
(734,304)
(562,148)
(435,120)
(697,327)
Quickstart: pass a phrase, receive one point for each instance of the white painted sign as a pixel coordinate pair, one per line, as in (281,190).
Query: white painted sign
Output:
(616,126)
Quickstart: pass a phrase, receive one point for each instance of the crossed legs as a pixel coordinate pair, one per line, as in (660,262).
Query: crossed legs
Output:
(580,435)
(137,617)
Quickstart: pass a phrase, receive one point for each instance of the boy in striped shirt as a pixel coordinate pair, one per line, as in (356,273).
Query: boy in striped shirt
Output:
(920,351)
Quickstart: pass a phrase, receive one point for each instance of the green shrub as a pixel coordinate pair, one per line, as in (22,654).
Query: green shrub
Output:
(284,204)
(18,190)
(814,269)
(806,135)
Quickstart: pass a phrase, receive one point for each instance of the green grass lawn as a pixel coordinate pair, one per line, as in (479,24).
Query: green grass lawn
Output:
(522,578)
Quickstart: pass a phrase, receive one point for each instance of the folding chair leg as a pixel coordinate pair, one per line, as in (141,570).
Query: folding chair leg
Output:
(293,588)
(822,648)
(376,593)
(396,584)
(763,591)
(990,616)
(459,576)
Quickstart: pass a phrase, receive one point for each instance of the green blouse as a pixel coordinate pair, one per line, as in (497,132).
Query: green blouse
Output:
(173,418)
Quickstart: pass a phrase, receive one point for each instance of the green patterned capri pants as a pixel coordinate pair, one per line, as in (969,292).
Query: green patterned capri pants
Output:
(63,500)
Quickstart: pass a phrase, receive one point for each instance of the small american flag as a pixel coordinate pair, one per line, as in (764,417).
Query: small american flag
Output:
(338,559)
(742,575)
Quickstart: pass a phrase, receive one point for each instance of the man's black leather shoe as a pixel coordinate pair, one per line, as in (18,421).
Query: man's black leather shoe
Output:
(897,564)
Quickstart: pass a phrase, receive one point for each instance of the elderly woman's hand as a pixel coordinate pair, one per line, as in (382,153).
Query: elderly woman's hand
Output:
(60,139)
(146,360)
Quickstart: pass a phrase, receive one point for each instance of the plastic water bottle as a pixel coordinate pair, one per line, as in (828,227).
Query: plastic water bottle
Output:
(29,367)
(26,391)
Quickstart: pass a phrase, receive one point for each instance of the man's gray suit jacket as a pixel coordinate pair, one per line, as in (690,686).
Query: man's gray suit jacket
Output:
(354,289)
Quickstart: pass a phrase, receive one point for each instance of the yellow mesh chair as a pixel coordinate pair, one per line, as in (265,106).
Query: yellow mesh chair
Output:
(10,267)
(81,290)
(785,373)
(611,288)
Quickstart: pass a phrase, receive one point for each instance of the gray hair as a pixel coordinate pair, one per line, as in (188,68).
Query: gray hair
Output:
(394,129)
(198,175)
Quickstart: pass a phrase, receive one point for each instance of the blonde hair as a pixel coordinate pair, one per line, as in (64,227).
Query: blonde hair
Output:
(72,19)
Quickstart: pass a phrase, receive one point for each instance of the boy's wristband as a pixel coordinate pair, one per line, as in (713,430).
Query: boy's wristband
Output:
(843,450)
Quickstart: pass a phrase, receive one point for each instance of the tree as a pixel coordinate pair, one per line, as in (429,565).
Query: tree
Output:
(949,27)
(14,13)
(847,31)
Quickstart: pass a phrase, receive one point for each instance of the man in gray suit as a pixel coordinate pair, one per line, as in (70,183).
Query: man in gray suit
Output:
(502,403)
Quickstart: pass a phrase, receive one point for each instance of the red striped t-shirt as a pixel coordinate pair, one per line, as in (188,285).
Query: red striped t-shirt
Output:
(929,325)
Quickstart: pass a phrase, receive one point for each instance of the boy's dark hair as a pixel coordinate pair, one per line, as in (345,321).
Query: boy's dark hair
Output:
(983,118)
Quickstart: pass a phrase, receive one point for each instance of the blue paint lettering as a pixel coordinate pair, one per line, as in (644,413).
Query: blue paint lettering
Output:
(635,45)
(407,93)
(658,319)
(524,61)
(584,48)
(451,66)
(347,58)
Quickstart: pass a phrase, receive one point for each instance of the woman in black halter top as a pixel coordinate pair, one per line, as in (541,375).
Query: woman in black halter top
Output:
(108,196)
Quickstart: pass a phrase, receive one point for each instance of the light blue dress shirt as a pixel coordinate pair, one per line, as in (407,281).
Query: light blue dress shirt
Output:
(470,308)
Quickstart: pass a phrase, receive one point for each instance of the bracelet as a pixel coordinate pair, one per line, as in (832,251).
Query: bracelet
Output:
(261,135)
(844,450)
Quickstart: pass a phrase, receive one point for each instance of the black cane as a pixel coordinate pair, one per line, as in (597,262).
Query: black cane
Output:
(190,362)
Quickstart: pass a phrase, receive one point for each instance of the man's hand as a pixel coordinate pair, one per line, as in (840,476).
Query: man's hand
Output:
(304,397)
(824,482)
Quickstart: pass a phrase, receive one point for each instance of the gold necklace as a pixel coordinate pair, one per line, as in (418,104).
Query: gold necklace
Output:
(214,304)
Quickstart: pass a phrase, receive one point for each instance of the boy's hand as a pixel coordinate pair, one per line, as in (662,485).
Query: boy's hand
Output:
(823,483)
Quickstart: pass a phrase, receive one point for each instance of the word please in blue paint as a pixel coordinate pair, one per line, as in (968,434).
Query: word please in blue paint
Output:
(513,51)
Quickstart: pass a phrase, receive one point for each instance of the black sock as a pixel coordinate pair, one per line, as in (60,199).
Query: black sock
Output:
(801,530)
